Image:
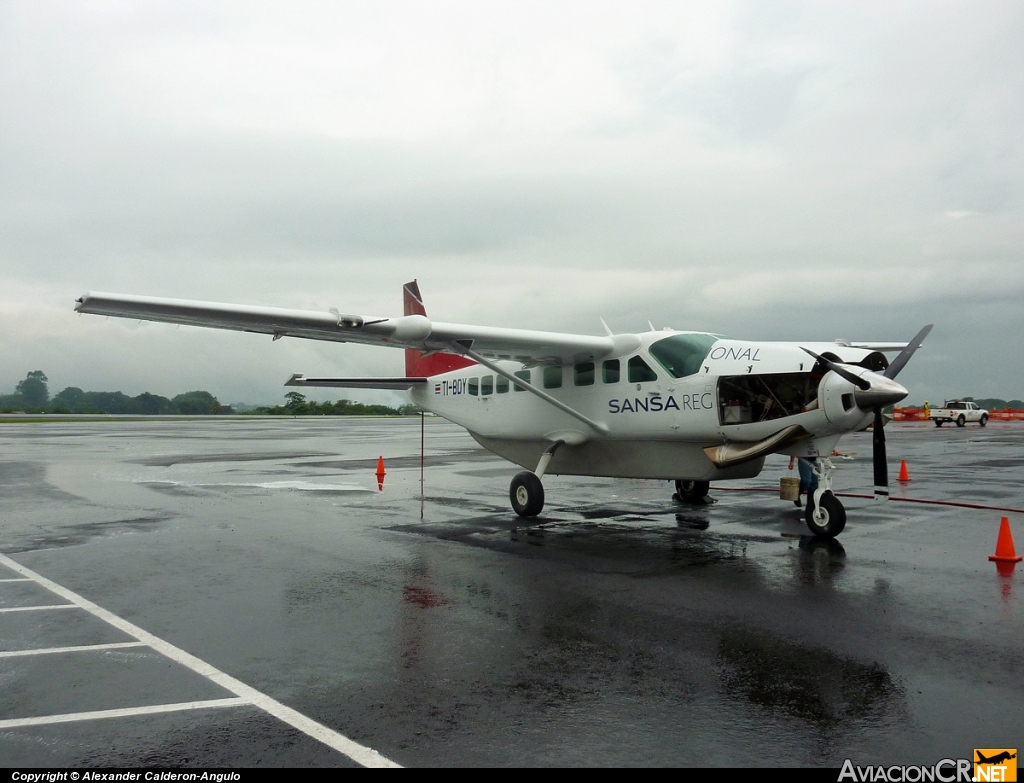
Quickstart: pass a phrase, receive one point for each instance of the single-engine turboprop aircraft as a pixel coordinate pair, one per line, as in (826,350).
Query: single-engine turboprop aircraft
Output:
(685,406)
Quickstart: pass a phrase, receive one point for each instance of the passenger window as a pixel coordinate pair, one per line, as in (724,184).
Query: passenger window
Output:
(583,374)
(474,386)
(640,371)
(487,385)
(610,371)
(502,384)
(525,375)
(552,377)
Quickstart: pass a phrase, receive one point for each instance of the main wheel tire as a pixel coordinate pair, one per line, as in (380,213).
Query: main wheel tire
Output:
(828,519)
(960,420)
(691,491)
(527,494)
(983,420)
(938,422)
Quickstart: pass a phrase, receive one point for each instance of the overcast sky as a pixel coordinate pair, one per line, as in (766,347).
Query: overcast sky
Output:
(764,170)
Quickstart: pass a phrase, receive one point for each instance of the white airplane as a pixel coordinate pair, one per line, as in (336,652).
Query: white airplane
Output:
(691,407)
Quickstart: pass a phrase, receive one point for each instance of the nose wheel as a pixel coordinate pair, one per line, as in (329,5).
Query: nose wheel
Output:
(826,518)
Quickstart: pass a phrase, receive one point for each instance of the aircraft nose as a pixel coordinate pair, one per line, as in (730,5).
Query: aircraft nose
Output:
(883,391)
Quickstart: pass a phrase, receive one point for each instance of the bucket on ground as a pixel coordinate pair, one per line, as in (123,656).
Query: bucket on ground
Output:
(789,488)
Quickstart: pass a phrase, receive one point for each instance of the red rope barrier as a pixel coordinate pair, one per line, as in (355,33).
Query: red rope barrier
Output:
(896,500)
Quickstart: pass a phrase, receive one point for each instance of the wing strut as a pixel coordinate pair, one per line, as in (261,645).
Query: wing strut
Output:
(598,427)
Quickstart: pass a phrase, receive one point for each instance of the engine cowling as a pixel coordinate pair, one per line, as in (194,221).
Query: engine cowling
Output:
(838,399)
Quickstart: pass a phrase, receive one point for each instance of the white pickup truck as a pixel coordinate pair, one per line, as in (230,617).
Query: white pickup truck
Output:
(958,411)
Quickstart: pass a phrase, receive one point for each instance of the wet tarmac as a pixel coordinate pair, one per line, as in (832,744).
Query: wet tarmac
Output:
(620,629)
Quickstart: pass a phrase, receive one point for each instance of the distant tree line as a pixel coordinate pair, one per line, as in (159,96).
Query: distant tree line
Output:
(298,405)
(988,403)
(995,404)
(32,395)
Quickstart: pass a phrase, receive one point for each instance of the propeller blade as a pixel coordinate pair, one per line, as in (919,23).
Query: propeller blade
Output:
(841,371)
(901,361)
(879,458)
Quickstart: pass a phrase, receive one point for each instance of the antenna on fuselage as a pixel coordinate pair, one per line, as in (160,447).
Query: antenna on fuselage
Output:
(607,331)
(651,325)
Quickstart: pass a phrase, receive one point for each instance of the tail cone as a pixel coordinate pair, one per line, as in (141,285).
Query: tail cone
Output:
(1005,553)
(380,474)
(904,473)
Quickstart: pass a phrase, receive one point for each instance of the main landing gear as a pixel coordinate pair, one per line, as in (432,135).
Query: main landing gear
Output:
(526,492)
(692,491)
(825,515)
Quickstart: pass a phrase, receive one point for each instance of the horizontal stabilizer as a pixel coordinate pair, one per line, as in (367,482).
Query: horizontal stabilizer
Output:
(395,384)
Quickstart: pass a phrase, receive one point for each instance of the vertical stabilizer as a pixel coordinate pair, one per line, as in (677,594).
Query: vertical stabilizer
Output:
(417,365)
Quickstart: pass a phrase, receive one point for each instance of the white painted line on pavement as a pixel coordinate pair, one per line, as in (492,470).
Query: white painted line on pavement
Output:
(38,608)
(360,754)
(79,648)
(19,579)
(155,709)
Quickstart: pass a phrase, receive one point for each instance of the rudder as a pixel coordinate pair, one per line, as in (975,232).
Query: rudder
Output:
(417,365)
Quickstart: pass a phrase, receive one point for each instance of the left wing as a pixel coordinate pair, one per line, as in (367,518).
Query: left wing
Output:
(411,331)
(875,346)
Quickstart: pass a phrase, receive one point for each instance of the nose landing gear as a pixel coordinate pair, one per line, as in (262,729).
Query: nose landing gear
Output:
(825,515)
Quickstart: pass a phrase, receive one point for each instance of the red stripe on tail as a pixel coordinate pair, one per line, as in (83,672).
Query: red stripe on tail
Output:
(417,365)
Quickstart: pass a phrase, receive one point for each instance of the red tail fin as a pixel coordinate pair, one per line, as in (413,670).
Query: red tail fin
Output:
(417,365)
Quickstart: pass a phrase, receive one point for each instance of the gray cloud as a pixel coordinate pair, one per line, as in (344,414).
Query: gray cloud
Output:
(791,171)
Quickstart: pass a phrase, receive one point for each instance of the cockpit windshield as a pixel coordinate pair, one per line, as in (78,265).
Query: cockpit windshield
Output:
(681,354)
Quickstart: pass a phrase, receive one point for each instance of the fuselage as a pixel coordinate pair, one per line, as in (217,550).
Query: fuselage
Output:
(663,398)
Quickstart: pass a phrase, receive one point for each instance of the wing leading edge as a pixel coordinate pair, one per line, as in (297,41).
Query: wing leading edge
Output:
(411,331)
(394,384)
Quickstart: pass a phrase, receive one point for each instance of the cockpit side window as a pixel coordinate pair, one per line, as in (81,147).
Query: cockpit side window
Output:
(682,354)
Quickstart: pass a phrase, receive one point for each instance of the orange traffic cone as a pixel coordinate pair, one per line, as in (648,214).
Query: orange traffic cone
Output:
(1005,553)
(904,475)
(380,473)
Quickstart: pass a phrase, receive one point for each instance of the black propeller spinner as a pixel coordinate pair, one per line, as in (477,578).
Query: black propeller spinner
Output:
(878,455)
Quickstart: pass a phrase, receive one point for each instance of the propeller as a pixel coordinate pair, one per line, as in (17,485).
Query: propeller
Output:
(876,393)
